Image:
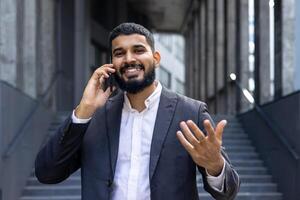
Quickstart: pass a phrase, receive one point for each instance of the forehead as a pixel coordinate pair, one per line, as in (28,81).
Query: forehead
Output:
(127,41)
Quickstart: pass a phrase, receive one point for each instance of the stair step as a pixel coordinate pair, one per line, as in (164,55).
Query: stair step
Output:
(248,196)
(236,142)
(64,197)
(250,187)
(247,163)
(251,170)
(256,182)
(43,190)
(231,136)
(249,178)
(73,180)
(243,155)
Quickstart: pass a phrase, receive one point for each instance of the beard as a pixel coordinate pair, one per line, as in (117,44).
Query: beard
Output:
(135,86)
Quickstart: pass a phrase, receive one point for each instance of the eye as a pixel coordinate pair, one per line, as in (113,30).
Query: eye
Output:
(118,53)
(139,50)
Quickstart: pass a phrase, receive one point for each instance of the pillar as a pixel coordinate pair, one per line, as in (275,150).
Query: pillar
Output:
(45,46)
(288,45)
(29,55)
(203,52)
(230,49)
(211,54)
(220,83)
(243,53)
(196,55)
(82,42)
(297,50)
(8,41)
(262,52)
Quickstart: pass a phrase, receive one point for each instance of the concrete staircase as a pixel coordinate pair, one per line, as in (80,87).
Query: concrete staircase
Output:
(256,184)
(70,189)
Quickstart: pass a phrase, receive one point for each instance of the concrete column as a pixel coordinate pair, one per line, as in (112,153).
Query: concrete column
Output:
(220,84)
(45,52)
(297,50)
(203,52)
(191,61)
(262,52)
(243,59)
(29,55)
(20,43)
(187,64)
(230,58)
(211,49)
(196,57)
(8,41)
(82,42)
(288,45)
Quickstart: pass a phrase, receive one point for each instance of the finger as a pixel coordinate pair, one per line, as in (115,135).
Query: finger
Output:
(98,73)
(104,70)
(188,146)
(188,134)
(108,91)
(102,80)
(198,133)
(210,130)
(110,65)
(220,128)
(109,69)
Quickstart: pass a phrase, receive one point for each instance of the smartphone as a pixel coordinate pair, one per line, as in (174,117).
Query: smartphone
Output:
(110,82)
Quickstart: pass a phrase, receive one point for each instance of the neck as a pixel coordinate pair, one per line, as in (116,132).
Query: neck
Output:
(137,101)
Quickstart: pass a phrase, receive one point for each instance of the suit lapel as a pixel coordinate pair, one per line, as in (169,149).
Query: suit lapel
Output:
(163,120)
(113,116)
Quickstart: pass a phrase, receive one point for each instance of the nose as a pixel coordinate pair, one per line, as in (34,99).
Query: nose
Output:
(129,58)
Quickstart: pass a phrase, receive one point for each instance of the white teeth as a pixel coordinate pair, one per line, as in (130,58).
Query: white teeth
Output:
(132,69)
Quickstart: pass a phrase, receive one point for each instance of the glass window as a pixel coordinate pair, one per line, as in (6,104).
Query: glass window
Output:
(164,77)
(179,86)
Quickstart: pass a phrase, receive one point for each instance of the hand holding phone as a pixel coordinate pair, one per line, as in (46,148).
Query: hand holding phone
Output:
(95,93)
(110,82)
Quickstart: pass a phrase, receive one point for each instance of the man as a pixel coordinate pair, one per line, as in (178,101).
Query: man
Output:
(143,143)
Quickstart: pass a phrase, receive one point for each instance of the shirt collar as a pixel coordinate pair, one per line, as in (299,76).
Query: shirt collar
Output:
(154,97)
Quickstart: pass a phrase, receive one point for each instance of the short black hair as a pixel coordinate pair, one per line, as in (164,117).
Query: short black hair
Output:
(129,28)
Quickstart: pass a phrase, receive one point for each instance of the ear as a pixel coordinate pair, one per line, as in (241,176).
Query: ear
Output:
(156,56)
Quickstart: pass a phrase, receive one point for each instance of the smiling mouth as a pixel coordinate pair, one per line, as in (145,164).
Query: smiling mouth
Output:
(132,70)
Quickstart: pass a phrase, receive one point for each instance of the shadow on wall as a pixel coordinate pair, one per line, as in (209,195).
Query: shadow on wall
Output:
(22,132)
(281,154)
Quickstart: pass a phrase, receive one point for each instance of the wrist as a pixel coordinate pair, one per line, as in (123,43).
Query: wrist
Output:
(217,168)
(84,111)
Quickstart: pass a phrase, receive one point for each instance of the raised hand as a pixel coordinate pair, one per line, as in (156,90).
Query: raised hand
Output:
(93,96)
(204,150)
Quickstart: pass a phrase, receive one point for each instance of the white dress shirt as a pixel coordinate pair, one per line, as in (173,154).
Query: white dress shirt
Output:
(131,180)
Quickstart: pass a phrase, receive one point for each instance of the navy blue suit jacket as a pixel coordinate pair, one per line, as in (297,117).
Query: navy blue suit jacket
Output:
(93,147)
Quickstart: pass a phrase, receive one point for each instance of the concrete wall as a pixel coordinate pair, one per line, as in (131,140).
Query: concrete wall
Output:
(283,162)
(24,124)
(297,49)
(27,44)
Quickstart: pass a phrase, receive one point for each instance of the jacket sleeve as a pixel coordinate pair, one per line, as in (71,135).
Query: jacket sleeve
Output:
(231,181)
(60,157)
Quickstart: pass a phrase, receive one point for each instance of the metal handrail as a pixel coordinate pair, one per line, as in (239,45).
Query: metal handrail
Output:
(11,146)
(272,125)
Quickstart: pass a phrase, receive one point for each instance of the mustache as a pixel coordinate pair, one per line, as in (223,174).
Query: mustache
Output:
(127,66)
